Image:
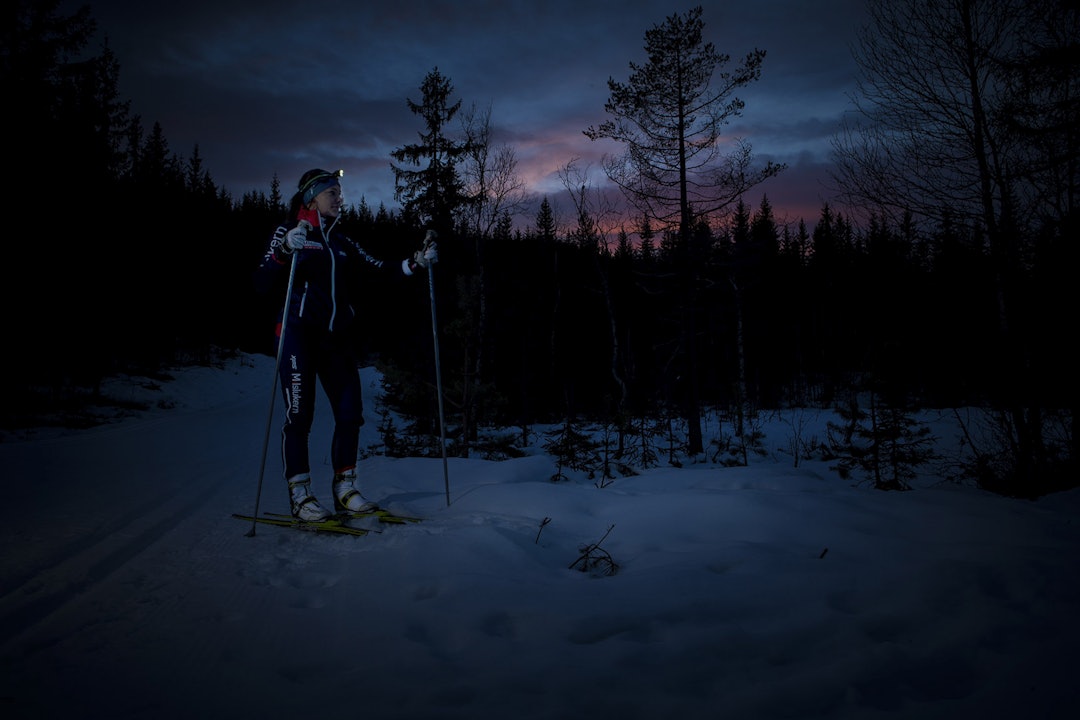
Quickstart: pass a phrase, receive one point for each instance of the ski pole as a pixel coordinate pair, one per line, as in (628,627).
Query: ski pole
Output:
(438,370)
(273,392)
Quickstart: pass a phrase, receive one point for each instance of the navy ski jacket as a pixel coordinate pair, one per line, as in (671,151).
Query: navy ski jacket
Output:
(329,274)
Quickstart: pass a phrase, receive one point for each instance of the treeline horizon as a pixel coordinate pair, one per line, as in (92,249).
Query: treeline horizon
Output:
(149,264)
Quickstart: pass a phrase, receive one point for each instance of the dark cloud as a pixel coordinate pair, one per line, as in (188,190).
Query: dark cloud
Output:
(271,87)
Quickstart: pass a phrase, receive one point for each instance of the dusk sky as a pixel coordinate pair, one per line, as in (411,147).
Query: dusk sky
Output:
(280,87)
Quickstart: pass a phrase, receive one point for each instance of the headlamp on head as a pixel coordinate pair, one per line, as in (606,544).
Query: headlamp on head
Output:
(315,181)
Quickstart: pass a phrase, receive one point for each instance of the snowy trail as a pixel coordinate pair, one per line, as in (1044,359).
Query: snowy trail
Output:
(100,499)
(125,581)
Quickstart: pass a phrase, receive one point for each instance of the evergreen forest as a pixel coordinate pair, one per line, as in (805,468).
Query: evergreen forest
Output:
(955,292)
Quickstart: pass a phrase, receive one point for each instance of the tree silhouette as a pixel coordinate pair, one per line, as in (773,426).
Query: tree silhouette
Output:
(670,117)
(433,191)
(964,113)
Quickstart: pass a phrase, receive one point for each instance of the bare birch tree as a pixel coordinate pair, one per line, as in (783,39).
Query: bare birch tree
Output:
(967,108)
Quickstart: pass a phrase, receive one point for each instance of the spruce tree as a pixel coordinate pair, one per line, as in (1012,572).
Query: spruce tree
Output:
(428,185)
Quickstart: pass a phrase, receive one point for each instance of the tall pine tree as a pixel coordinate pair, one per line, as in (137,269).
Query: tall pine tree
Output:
(428,185)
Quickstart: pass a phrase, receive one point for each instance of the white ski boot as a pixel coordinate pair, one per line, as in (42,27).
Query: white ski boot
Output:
(346,496)
(304,505)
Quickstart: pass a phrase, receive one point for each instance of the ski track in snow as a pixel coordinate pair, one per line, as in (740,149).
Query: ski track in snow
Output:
(139,591)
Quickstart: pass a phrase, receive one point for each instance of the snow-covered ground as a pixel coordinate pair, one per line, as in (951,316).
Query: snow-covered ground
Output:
(128,590)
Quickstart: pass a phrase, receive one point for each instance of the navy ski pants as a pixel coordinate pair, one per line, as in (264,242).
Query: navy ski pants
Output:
(308,357)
